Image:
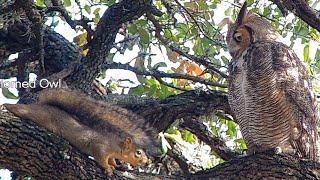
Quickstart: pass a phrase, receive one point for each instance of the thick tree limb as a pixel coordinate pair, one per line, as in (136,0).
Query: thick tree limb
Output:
(301,9)
(103,39)
(263,166)
(162,113)
(59,52)
(30,150)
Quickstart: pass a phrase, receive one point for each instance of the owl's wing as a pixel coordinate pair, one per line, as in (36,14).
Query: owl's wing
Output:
(293,78)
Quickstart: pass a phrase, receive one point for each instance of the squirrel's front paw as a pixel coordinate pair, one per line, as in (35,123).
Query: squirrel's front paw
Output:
(109,169)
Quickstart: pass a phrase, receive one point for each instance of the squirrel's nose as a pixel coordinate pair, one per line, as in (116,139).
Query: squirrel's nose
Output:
(146,161)
(149,161)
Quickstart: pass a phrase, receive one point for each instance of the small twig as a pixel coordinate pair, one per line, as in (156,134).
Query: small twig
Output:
(197,24)
(175,48)
(216,143)
(64,14)
(85,25)
(167,5)
(9,64)
(72,23)
(159,74)
(169,85)
(281,7)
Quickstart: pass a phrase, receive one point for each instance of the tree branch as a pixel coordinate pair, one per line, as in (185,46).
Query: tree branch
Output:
(31,150)
(301,9)
(197,24)
(203,61)
(59,52)
(64,13)
(217,144)
(103,39)
(263,166)
(162,113)
(159,74)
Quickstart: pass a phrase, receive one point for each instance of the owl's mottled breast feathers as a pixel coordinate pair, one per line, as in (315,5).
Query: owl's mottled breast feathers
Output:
(270,92)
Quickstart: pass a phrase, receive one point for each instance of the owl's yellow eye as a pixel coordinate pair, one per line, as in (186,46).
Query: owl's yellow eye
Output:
(237,37)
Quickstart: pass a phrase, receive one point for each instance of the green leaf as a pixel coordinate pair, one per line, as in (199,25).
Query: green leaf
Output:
(249,2)
(144,36)
(266,11)
(168,34)
(108,2)
(172,130)
(203,5)
(197,48)
(182,28)
(306,53)
(67,3)
(40,3)
(188,136)
(87,8)
(304,31)
(191,5)
(96,15)
(231,128)
(141,22)
(132,29)
(7,94)
(110,57)
(137,91)
(225,60)
(228,12)
(241,143)
(317,56)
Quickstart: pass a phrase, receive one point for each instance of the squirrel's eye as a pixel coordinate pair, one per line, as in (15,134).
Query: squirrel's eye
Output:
(138,153)
(237,37)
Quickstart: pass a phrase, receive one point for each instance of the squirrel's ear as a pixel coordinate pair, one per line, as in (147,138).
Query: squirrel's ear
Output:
(127,144)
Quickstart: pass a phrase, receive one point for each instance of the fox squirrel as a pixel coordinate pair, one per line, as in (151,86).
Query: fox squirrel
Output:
(103,131)
(101,116)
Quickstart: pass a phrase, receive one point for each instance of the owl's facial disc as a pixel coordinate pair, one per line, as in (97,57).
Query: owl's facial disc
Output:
(238,36)
(241,39)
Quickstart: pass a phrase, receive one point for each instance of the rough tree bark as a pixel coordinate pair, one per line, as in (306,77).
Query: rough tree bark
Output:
(31,150)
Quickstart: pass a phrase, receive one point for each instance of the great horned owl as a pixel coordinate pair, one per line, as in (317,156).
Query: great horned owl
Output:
(269,90)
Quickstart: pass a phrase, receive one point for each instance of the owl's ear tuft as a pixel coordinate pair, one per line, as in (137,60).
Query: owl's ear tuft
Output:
(242,14)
